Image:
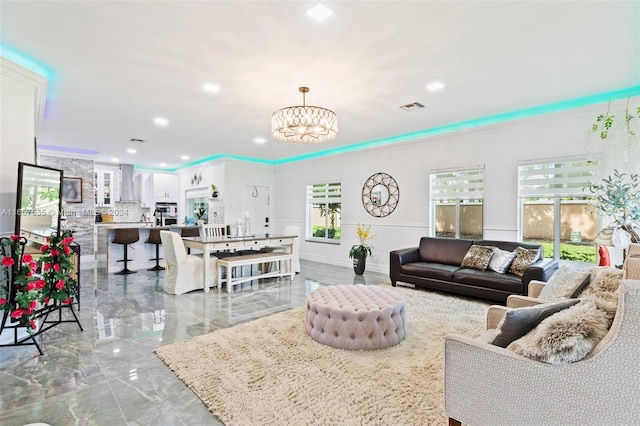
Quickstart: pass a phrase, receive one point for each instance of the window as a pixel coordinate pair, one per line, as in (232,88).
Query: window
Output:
(196,200)
(555,208)
(456,203)
(323,212)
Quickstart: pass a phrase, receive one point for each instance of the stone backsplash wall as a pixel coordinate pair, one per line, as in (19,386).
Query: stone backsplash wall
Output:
(80,216)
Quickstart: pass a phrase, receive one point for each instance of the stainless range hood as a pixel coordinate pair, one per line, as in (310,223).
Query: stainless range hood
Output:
(127,193)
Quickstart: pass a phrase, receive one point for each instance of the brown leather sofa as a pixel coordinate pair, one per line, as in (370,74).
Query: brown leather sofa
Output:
(435,265)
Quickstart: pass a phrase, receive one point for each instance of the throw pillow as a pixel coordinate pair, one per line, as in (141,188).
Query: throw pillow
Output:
(603,288)
(519,321)
(567,336)
(565,282)
(477,257)
(501,260)
(524,258)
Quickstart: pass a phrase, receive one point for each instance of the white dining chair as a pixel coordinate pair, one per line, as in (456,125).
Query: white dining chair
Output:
(213,230)
(183,272)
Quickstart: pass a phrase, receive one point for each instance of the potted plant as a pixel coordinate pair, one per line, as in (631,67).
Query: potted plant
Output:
(618,198)
(200,212)
(618,195)
(359,252)
(214,191)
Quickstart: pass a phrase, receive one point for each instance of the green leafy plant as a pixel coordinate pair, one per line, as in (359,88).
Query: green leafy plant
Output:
(605,122)
(618,197)
(200,212)
(364,235)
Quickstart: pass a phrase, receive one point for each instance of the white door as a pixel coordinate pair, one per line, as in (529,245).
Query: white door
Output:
(255,202)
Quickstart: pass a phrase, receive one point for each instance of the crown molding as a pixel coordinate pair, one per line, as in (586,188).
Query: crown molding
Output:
(31,79)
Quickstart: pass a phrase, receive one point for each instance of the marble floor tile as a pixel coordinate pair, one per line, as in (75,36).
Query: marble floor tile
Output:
(108,374)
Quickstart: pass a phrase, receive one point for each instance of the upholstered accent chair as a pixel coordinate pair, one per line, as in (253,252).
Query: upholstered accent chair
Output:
(490,385)
(183,272)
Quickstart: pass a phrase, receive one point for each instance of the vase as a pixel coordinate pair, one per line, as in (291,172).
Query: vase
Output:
(359,262)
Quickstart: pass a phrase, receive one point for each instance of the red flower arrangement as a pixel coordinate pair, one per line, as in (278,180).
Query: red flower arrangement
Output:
(57,269)
(32,292)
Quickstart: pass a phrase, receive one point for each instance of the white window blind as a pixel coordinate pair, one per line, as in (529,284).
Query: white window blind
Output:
(457,185)
(556,178)
(324,193)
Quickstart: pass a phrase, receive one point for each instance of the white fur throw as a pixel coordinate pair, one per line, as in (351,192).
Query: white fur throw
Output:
(567,336)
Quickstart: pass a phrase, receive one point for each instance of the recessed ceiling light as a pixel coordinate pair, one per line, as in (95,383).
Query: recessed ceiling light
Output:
(115,160)
(259,140)
(319,12)
(131,151)
(163,164)
(161,121)
(211,88)
(184,157)
(435,86)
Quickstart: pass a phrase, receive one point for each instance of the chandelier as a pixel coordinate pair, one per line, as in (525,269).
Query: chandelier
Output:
(304,124)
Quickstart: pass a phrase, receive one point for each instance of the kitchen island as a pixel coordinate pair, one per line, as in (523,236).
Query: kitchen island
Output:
(141,253)
(108,254)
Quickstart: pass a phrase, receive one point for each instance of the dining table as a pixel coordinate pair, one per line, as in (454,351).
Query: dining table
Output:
(209,245)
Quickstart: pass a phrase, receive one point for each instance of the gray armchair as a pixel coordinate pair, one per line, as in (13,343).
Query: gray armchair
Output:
(490,385)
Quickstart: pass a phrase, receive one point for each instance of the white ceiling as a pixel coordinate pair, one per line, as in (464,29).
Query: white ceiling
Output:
(118,65)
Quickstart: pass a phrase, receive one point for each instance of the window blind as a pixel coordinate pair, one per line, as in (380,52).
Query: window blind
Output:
(556,178)
(324,193)
(457,185)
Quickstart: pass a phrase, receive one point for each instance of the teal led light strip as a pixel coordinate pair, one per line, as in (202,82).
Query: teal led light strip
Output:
(449,128)
(25,62)
(478,122)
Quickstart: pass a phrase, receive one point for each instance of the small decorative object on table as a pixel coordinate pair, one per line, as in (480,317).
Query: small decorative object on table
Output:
(359,252)
(200,213)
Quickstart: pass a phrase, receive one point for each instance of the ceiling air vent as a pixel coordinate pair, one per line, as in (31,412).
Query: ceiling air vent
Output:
(137,140)
(412,106)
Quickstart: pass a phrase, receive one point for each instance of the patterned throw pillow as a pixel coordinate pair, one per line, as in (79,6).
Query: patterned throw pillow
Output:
(524,259)
(565,282)
(478,257)
(501,260)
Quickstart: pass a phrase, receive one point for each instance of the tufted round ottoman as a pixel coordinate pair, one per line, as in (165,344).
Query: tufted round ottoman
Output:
(356,316)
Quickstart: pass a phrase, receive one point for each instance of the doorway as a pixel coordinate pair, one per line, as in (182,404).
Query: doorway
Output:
(256,200)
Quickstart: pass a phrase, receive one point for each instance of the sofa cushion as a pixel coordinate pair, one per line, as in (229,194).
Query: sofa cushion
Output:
(566,282)
(524,258)
(488,279)
(508,245)
(448,251)
(501,260)
(478,257)
(434,271)
(519,321)
(567,336)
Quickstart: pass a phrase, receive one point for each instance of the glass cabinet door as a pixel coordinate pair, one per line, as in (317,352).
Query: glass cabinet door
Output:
(103,188)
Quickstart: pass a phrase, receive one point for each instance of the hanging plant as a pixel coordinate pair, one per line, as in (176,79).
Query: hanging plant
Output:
(605,122)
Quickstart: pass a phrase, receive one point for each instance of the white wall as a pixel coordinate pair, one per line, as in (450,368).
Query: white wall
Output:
(498,147)
(17,130)
(237,174)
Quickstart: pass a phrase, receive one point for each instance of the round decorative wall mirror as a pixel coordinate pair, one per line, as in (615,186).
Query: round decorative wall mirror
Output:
(380,195)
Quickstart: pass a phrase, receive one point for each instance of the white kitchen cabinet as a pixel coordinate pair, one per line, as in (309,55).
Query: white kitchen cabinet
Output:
(103,183)
(166,188)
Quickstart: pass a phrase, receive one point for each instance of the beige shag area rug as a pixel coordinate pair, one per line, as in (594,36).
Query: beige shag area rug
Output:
(270,372)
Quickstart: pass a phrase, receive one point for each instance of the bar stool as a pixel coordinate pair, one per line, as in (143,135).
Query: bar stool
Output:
(126,236)
(154,238)
(193,231)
